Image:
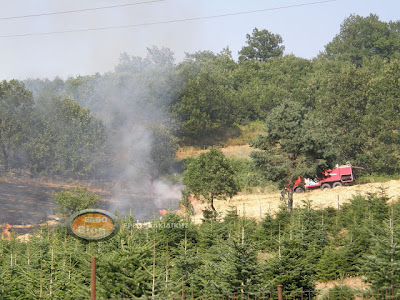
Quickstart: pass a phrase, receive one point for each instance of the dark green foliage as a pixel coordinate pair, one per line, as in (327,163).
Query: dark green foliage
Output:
(296,144)
(186,267)
(381,265)
(211,176)
(71,201)
(292,268)
(332,265)
(202,103)
(173,228)
(352,89)
(16,104)
(350,101)
(215,257)
(211,233)
(67,140)
(125,272)
(245,272)
(262,45)
(361,38)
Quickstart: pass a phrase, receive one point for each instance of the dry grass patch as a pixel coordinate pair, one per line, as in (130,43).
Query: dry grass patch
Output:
(240,151)
(352,282)
(256,205)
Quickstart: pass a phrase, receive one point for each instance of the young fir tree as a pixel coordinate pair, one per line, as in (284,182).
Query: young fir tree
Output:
(127,271)
(332,265)
(245,271)
(382,265)
(291,267)
(184,273)
(214,270)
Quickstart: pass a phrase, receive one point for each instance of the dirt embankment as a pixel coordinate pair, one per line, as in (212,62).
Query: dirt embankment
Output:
(257,205)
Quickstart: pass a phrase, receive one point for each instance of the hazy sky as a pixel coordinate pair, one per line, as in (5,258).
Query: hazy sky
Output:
(23,54)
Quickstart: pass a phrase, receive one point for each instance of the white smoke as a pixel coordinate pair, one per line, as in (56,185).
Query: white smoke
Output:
(131,102)
(166,194)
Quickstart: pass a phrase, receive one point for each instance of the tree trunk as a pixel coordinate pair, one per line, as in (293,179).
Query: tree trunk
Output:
(290,199)
(5,156)
(212,204)
(153,285)
(290,195)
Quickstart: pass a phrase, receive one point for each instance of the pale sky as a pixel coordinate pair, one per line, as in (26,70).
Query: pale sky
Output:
(23,54)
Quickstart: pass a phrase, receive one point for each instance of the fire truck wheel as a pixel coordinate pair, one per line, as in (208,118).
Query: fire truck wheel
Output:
(325,186)
(337,184)
(299,190)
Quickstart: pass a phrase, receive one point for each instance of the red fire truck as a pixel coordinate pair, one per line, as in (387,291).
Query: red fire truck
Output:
(332,178)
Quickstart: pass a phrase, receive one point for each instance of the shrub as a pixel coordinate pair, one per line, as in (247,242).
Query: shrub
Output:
(70,201)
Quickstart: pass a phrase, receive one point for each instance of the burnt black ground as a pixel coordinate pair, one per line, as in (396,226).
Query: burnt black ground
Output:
(23,204)
(30,203)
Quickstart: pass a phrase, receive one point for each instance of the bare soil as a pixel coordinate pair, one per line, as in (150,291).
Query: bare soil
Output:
(257,205)
(356,283)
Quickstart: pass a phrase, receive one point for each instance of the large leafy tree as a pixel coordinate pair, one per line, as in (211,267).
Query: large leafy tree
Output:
(260,86)
(350,100)
(295,144)
(16,104)
(67,140)
(381,121)
(262,45)
(212,176)
(342,101)
(361,38)
(205,94)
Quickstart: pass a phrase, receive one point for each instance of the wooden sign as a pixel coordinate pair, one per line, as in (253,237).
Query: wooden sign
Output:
(93,224)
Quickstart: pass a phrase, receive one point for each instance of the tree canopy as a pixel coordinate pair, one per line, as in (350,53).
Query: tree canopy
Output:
(295,144)
(209,97)
(361,38)
(262,45)
(16,103)
(211,176)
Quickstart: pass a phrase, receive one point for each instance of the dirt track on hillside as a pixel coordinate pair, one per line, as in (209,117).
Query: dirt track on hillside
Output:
(257,205)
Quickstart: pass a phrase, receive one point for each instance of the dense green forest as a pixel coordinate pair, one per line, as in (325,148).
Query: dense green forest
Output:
(127,125)
(90,126)
(173,257)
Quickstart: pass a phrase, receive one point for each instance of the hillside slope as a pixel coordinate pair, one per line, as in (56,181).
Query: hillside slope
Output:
(257,205)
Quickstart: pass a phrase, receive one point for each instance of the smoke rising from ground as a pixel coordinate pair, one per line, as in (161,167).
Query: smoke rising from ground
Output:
(132,102)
